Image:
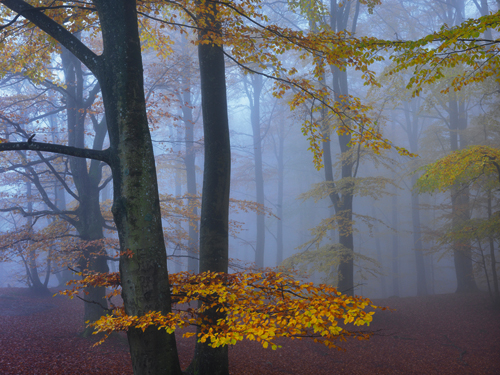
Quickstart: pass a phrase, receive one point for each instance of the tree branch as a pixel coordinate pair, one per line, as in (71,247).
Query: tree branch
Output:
(57,149)
(58,176)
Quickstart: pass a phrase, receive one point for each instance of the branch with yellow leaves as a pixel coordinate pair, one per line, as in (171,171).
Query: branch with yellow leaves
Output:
(257,306)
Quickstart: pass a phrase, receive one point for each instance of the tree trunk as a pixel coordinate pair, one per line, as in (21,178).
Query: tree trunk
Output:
(190,163)
(342,202)
(412,131)
(380,259)
(496,295)
(90,220)
(216,184)
(417,241)
(395,246)
(279,211)
(259,178)
(136,208)
(462,251)
(36,285)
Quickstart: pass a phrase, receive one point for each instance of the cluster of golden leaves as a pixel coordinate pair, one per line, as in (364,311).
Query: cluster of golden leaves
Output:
(257,306)
(460,167)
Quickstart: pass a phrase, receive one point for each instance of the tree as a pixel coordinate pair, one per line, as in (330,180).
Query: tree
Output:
(460,170)
(341,191)
(254,98)
(458,46)
(216,178)
(136,203)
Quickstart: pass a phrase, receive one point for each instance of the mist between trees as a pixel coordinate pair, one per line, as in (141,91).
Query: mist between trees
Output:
(355,142)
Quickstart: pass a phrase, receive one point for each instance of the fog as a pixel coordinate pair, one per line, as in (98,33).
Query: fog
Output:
(393,226)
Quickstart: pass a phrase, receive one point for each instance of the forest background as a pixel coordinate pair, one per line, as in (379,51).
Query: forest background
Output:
(356,221)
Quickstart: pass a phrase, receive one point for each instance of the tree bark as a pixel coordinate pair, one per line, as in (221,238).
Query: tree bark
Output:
(36,285)
(380,259)
(136,208)
(491,242)
(216,183)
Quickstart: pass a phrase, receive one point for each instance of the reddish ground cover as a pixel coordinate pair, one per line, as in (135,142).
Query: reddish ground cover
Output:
(444,334)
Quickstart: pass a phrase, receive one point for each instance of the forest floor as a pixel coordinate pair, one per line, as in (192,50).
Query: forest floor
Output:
(440,334)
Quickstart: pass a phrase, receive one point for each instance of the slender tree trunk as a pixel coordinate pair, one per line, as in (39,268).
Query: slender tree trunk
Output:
(36,285)
(190,162)
(417,241)
(281,168)
(216,184)
(462,251)
(178,192)
(413,130)
(64,275)
(346,238)
(496,298)
(395,246)
(259,178)
(339,17)
(380,259)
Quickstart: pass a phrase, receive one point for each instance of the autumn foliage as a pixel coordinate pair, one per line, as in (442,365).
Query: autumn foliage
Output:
(463,166)
(258,306)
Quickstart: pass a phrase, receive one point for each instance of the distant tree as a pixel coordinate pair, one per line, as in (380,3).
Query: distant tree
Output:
(462,169)
(253,90)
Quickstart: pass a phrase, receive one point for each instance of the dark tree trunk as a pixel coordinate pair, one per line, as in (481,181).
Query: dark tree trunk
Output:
(90,221)
(346,238)
(36,285)
(136,206)
(342,202)
(216,184)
